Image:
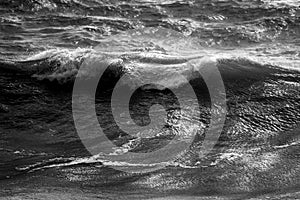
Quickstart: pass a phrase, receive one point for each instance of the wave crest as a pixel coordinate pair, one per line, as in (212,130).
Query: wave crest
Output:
(62,66)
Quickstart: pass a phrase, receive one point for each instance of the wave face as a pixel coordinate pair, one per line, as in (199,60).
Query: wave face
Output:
(254,45)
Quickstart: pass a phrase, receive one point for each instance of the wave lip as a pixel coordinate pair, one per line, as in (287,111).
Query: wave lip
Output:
(62,66)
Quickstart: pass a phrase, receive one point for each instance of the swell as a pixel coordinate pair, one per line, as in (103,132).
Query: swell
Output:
(258,143)
(229,6)
(216,23)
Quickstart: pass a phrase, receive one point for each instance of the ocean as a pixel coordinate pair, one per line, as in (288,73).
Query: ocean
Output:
(177,78)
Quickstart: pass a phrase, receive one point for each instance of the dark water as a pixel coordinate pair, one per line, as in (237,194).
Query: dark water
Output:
(254,44)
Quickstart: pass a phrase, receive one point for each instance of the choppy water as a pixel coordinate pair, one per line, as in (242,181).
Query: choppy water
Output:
(254,44)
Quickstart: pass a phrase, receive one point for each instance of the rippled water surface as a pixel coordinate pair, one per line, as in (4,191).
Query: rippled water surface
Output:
(254,44)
